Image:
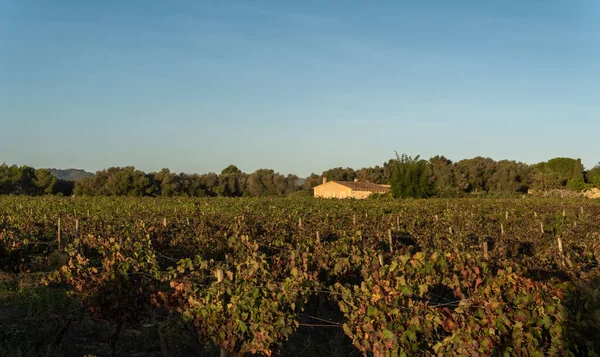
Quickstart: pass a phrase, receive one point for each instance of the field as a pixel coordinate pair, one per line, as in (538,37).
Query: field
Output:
(298,277)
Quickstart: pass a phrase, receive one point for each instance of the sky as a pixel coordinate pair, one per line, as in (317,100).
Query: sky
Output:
(296,86)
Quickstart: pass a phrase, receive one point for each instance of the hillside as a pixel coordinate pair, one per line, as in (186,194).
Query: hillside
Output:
(70,174)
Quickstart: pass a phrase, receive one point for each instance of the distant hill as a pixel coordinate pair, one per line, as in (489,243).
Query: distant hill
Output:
(70,174)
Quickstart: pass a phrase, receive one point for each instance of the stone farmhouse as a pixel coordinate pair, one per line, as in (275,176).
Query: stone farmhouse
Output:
(349,189)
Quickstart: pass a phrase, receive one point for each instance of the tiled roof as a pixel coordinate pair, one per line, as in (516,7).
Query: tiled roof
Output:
(364,186)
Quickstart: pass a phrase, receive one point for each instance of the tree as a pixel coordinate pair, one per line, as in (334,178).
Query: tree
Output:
(232,182)
(211,182)
(45,182)
(17,180)
(577,180)
(371,174)
(266,182)
(127,181)
(260,183)
(510,177)
(442,177)
(474,174)
(116,181)
(168,183)
(339,174)
(410,178)
(312,181)
(592,176)
(231,170)
(555,173)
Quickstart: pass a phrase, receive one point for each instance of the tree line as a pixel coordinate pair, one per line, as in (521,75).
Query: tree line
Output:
(231,182)
(408,176)
(25,180)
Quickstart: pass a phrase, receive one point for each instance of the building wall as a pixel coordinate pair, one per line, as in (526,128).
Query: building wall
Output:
(332,190)
(335,190)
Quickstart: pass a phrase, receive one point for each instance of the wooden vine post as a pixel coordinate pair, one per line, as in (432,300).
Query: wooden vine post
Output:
(565,259)
(76,228)
(354,219)
(560,247)
(390,241)
(501,229)
(485,250)
(165,221)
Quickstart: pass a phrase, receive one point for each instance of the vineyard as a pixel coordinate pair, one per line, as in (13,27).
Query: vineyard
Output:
(299,277)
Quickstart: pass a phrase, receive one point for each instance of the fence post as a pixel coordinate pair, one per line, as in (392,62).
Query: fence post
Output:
(560,247)
(485,250)
(560,250)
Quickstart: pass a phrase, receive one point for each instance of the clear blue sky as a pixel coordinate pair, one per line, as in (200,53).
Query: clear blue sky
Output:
(297,86)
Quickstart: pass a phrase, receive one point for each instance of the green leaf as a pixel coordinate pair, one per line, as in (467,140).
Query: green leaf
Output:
(388,335)
(546,321)
(406,290)
(412,337)
(372,311)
